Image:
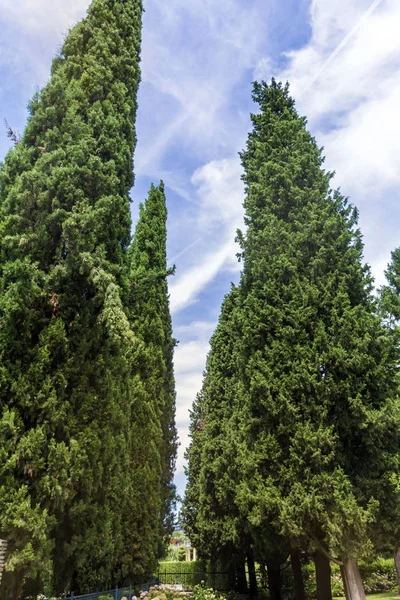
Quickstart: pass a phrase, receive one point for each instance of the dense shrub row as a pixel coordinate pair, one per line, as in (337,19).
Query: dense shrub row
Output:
(190,574)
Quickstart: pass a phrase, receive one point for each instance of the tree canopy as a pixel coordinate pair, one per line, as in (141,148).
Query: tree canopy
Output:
(70,350)
(312,403)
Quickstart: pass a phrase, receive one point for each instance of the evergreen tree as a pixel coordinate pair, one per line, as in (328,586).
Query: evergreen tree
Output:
(389,304)
(151,321)
(212,519)
(66,346)
(193,455)
(317,368)
(312,403)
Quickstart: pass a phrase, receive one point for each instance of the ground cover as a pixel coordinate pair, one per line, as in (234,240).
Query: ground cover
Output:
(384,595)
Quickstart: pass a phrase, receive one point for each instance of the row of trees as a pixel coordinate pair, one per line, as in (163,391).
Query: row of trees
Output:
(295,434)
(87,394)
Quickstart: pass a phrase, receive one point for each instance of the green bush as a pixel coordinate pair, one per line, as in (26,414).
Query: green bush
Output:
(379,576)
(199,592)
(189,574)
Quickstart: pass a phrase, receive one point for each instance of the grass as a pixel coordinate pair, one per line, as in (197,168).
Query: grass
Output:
(384,595)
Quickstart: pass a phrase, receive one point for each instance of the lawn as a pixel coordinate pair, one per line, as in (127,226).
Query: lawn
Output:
(384,595)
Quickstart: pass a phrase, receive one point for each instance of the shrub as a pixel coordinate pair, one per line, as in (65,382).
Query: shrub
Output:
(202,592)
(188,574)
(379,576)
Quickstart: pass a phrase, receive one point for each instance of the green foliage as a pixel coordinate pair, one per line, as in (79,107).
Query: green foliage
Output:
(148,308)
(212,518)
(318,382)
(181,554)
(67,350)
(203,592)
(199,592)
(294,439)
(183,573)
(378,576)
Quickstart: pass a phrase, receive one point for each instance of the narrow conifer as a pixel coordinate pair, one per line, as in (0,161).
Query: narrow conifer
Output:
(151,321)
(66,345)
(313,409)
(212,517)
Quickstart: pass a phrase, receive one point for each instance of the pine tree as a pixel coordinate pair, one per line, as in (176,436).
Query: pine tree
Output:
(66,346)
(151,321)
(317,368)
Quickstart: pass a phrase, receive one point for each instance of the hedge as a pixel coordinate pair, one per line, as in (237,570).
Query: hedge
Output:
(189,574)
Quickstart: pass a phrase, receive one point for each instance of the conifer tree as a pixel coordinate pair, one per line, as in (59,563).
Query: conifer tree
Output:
(316,417)
(66,346)
(213,524)
(389,304)
(151,321)
(317,368)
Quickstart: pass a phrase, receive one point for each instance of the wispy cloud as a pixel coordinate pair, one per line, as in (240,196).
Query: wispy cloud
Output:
(342,45)
(184,291)
(352,104)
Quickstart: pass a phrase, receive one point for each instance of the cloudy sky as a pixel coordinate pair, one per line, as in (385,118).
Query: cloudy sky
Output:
(199,58)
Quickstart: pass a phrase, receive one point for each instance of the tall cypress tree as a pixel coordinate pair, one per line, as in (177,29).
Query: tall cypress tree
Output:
(314,405)
(66,345)
(212,519)
(317,368)
(389,304)
(151,321)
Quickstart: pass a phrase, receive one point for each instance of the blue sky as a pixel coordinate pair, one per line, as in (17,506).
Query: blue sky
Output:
(199,58)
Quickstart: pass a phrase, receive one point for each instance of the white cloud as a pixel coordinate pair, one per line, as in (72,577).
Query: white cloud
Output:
(346,80)
(220,191)
(33,16)
(187,287)
(220,194)
(39,27)
(189,361)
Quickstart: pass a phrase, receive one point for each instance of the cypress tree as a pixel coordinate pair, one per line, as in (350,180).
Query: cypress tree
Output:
(317,369)
(151,321)
(66,346)
(212,519)
(312,404)
(389,304)
(191,505)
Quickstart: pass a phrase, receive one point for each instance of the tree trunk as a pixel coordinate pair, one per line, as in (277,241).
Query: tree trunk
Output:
(274,582)
(323,576)
(241,581)
(252,573)
(3,549)
(353,586)
(299,590)
(397,565)
(231,570)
